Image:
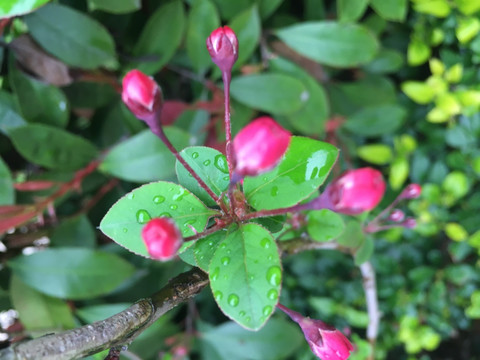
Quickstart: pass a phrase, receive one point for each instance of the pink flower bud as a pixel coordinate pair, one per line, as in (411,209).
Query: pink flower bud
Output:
(162,238)
(410,223)
(259,146)
(222,44)
(356,191)
(412,191)
(396,215)
(326,342)
(141,94)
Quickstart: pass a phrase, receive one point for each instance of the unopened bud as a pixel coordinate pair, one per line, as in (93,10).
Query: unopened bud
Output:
(410,223)
(162,238)
(141,94)
(412,191)
(222,44)
(259,146)
(396,215)
(355,191)
(326,342)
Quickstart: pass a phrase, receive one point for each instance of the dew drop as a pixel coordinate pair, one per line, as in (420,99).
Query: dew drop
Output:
(190,222)
(270,257)
(272,294)
(143,216)
(166,214)
(251,277)
(226,178)
(130,196)
(248,319)
(210,243)
(206,162)
(274,275)
(229,251)
(218,295)
(221,163)
(173,207)
(242,313)
(225,260)
(125,230)
(214,274)
(158,199)
(267,310)
(195,155)
(223,246)
(264,178)
(274,191)
(265,243)
(233,300)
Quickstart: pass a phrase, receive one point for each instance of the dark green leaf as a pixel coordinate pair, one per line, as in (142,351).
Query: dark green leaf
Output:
(331,43)
(7,192)
(393,10)
(115,6)
(144,157)
(386,61)
(76,231)
(12,8)
(161,37)
(126,218)
(40,102)
(351,10)
(52,147)
(39,312)
(90,94)
(229,9)
(375,121)
(93,313)
(9,116)
(267,7)
(277,340)
(72,36)
(274,93)
(324,225)
(302,170)
(203,18)
(72,273)
(210,165)
(246,276)
(247,28)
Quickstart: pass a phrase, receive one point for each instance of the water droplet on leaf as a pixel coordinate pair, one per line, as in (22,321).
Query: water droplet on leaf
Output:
(218,295)
(221,163)
(214,274)
(274,275)
(274,191)
(225,260)
(159,199)
(233,300)
(267,310)
(143,216)
(206,162)
(195,155)
(265,243)
(174,207)
(272,294)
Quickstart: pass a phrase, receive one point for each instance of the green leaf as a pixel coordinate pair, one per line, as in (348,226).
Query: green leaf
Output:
(378,154)
(302,170)
(144,157)
(205,248)
(331,43)
(353,235)
(267,7)
(399,170)
(9,116)
(52,147)
(210,165)
(418,52)
(87,95)
(273,93)
(311,118)
(376,120)
(351,10)
(126,218)
(386,61)
(12,8)
(72,232)
(72,273)
(72,36)
(278,339)
(393,10)
(438,8)
(40,102)
(364,252)
(324,225)
(115,6)
(7,192)
(93,313)
(39,312)
(161,37)
(418,91)
(246,276)
(229,9)
(247,28)
(203,18)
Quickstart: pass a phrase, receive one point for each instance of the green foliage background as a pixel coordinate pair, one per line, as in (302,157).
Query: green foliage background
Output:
(392,83)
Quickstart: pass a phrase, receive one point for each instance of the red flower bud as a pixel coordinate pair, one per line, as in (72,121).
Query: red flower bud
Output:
(412,191)
(410,223)
(396,215)
(162,238)
(326,342)
(356,191)
(141,94)
(222,44)
(259,146)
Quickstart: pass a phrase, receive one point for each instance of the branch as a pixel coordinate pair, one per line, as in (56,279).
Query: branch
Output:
(370,288)
(116,331)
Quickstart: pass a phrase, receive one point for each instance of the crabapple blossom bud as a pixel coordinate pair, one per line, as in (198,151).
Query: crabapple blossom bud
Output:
(396,215)
(326,342)
(412,191)
(259,146)
(141,94)
(162,238)
(410,223)
(355,191)
(222,44)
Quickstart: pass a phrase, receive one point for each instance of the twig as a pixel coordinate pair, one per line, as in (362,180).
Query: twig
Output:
(370,288)
(120,329)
